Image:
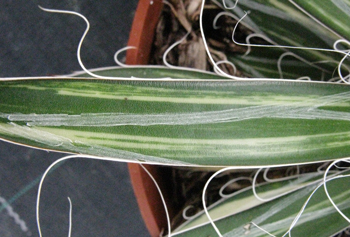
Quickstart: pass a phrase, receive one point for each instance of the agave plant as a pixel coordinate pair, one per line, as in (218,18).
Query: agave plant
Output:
(194,119)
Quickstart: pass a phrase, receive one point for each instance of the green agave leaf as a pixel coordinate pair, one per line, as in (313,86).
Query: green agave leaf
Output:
(333,14)
(318,219)
(264,63)
(150,72)
(214,123)
(245,200)
(286,25)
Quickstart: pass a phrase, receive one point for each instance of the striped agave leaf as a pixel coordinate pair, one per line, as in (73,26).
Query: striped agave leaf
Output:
(278,63)
(277,217)
(285,24)
(190,122)
(332,14)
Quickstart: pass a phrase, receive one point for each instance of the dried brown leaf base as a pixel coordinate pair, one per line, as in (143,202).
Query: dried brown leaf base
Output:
(180,17)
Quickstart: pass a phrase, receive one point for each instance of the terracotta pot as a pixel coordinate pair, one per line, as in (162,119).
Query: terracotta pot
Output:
(147,195)
(142,31)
